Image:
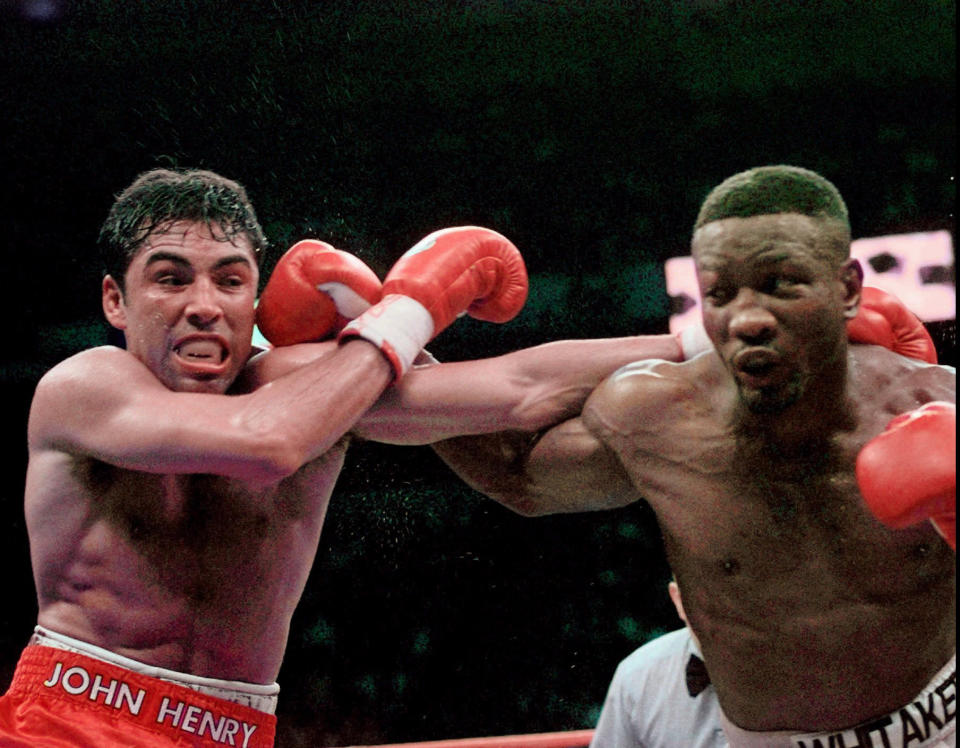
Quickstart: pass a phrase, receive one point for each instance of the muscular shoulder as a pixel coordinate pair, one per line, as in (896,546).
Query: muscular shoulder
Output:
(83,382)
(652,392)
(268,365)
(91,369)
(900,384)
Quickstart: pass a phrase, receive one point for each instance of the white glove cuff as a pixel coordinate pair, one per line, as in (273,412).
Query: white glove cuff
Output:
(694,341)
(398,325)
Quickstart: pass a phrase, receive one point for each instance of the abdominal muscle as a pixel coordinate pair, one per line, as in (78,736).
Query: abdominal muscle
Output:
(811,614)
(196,574)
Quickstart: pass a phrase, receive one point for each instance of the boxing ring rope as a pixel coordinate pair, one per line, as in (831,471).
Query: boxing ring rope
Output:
(573,739)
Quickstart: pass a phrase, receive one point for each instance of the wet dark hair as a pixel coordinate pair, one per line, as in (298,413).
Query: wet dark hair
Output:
(160,197)
(773,189)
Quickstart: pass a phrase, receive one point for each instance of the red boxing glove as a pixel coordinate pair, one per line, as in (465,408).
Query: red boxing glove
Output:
(882,319)
(465,269)
(313,292)
(908,473)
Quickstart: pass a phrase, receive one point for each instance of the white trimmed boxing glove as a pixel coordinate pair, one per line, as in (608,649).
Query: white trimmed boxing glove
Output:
(464,269)
(313,292)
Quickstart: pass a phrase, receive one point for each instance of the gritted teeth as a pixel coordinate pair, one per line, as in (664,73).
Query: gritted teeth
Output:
(209,351)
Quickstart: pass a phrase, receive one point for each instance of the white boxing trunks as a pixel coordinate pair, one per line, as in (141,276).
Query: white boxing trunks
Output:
(928,721)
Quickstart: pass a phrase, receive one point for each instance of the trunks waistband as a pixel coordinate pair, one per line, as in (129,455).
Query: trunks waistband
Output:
(116,693)
(263,698)
(929,720)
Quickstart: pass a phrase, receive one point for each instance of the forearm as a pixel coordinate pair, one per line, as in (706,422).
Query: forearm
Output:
(258,437)
(528,390)
(304,413)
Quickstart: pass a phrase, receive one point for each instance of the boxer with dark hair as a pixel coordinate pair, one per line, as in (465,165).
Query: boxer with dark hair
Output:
(173,501)
(176,489)
(163,196)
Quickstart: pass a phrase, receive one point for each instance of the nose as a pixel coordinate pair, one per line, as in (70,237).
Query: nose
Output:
(203,305)
(750,321)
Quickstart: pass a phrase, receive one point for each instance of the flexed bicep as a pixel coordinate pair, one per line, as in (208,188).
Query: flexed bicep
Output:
(561,470)
(107,405)
(570,469)
(590,462)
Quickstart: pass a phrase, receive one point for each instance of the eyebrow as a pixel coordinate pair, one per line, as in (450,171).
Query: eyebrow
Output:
(785,259)
(176,259)
(765,255)
(768,257)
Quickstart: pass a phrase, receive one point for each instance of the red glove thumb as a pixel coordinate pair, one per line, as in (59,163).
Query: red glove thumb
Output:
(882,319)
(313,292)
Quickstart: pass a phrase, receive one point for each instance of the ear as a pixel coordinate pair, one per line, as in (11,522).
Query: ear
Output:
(674,591)
(112,301)
(851,277)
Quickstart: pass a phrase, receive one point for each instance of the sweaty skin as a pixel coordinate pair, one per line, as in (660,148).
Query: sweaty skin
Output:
(167,522)
(195,573)
(176,525)
(811,614)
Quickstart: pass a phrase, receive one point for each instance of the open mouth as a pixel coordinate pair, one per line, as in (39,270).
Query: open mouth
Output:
(201,355)
(755,366)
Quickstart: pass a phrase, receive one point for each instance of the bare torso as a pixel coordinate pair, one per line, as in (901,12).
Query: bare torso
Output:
(194,573)
(811,614)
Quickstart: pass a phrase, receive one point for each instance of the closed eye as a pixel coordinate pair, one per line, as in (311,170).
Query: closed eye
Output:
(778,285)
(168,279)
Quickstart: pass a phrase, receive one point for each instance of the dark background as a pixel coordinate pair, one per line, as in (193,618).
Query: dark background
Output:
(587,132)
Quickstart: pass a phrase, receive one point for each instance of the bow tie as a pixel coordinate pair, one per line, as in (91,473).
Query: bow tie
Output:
(697,676)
